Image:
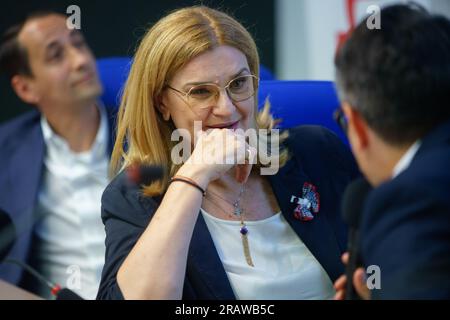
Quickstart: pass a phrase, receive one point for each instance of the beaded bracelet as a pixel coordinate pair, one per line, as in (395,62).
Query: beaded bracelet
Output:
(188,181)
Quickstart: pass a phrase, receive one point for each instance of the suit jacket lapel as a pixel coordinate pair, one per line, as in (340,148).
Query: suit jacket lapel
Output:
(204,264)
(316,234)
(25,171)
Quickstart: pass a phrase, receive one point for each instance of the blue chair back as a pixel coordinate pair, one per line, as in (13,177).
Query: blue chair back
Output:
(302,102)
(114,71)
(295,102)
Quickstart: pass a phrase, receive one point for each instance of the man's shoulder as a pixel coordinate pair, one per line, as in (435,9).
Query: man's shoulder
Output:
(406,229)
(427,175)
(432,163)
(20,126)
(422,190)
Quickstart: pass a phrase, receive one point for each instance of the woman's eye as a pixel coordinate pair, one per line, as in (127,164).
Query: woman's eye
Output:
(238,83)
(202,91)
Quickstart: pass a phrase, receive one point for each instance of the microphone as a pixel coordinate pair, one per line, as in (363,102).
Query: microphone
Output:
(352,206)
(67,294)
(144,174)
(7,240)
(55,289)
(7,234)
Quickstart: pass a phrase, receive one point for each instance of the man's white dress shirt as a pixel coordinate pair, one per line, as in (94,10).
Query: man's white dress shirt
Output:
(69,234)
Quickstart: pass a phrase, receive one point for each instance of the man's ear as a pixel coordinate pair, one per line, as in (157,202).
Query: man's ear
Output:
(357,127)
(25,89)
(162,108)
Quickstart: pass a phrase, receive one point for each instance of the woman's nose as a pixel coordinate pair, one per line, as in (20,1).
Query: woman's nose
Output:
(224,104)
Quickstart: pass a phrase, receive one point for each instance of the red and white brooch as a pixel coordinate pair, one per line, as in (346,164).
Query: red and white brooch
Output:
(308,203)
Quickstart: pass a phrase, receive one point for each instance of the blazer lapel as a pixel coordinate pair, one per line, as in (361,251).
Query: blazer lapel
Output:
(317,234)
(25,171)
(204,265)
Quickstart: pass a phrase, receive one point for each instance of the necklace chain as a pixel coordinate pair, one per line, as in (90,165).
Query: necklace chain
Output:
(237,209)
(238,212)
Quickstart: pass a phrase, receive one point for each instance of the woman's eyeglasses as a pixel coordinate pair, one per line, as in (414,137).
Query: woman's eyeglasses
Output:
(201,97)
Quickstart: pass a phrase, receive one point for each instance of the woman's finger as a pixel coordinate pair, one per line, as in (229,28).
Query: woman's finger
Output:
(340,295)
(243,170)
(359,282)
(340,283)
(345,257)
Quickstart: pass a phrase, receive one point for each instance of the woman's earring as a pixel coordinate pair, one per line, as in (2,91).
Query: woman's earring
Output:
(166,116)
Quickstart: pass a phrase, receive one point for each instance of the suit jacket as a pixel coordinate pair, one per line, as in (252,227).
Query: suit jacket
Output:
(23,150)
(318,157)
(406,225)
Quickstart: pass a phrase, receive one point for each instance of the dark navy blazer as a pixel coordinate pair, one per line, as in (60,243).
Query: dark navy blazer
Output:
(318,157)
(21,163)
(406,225)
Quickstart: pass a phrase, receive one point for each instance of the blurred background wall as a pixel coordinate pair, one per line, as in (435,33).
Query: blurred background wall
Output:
(113,28)
(316,26)
(297,39)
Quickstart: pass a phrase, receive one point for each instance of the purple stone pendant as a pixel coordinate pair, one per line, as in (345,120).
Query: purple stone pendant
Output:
(245,245)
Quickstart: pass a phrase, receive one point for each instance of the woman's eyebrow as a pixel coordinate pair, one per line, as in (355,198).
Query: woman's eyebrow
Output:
(205,82)
(239,72)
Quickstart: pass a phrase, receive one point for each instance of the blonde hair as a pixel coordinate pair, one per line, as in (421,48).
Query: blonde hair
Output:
(142,134)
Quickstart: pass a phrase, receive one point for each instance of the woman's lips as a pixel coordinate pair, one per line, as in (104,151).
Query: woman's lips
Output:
(232,125)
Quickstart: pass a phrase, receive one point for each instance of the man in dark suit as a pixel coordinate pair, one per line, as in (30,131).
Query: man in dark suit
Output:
(54,160)
(394,85)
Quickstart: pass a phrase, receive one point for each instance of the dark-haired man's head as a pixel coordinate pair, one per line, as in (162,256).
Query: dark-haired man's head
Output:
(394,84)
(48,64)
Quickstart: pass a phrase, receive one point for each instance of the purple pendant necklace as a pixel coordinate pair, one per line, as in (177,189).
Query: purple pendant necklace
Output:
(243,230)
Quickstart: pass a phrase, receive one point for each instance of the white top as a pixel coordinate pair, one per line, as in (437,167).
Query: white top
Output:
(284,268)
(70,233)
(406,159)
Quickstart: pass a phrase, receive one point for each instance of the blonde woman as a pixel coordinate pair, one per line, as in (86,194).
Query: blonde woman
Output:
(217,229)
